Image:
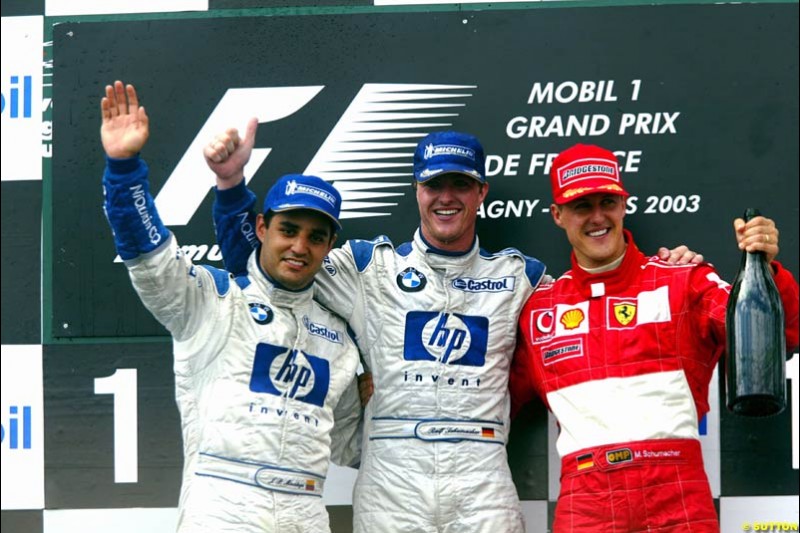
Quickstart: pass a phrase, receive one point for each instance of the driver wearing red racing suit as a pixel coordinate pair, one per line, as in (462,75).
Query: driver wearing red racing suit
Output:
(621,349)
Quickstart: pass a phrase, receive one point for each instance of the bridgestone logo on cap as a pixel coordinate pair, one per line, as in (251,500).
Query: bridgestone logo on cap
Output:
(588,168)
(448,149)
(294,188)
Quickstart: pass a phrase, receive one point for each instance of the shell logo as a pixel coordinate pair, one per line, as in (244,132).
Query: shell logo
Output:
(572,318)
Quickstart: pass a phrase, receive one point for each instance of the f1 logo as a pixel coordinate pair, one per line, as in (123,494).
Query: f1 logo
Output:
(181,195)
(356,149)
(291,373)
(450,338)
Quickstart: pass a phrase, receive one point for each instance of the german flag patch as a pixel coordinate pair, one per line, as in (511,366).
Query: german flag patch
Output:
(585,461)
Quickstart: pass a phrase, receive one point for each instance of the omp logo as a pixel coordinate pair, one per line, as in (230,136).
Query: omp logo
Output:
(290,373)
(368,153)
(623,455)
(450,338)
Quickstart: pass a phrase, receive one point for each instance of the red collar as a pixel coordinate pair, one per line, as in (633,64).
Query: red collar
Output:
(613,281)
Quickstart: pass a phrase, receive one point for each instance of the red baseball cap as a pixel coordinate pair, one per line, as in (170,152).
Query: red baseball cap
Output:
(584,169)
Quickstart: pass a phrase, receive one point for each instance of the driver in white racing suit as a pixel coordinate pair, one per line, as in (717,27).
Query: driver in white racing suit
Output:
(436,321)
(259,366)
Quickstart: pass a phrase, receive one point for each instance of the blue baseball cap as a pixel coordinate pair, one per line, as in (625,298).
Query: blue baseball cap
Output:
(444,152)
(298,191)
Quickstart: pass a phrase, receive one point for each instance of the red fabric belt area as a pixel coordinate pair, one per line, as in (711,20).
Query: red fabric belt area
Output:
(615,456)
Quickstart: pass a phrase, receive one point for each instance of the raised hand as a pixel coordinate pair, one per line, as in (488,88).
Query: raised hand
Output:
(125,126)
(227,154)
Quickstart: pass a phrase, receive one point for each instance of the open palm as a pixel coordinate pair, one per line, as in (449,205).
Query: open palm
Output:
(125,127)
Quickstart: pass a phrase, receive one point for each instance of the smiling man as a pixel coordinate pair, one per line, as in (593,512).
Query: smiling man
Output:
(435,319)
(621,348)
(259,366)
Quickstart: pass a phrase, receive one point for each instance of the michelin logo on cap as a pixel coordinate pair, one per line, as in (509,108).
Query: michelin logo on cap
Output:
(448,149)
(294,188)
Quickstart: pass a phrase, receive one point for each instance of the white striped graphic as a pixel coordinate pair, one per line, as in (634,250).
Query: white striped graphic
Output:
(368,154)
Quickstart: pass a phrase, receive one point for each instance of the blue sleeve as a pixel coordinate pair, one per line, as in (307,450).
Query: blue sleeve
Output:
(235,226)
(130,208)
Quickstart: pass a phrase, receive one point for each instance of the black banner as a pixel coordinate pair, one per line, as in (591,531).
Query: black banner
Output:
(700,101)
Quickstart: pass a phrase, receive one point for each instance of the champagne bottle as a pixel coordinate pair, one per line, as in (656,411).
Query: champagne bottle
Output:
(756,344)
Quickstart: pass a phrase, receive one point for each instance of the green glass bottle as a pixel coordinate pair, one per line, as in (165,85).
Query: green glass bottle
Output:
(756,344)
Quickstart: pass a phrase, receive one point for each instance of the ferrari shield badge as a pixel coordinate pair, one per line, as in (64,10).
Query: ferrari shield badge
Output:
(625,312)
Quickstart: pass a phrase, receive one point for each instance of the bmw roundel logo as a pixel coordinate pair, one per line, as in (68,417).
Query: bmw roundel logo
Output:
(411,280)
(261,313)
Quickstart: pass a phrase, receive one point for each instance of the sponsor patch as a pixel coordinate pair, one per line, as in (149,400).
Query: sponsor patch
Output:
(290,373)
(504,284)
(432,150)
(321,330)
(450,338)
(293,188)
(411,280)
(572,319)
(559,351)
(542,325)
(587,168)
(622,455)
(261,313)
(625,312)
(327,264)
